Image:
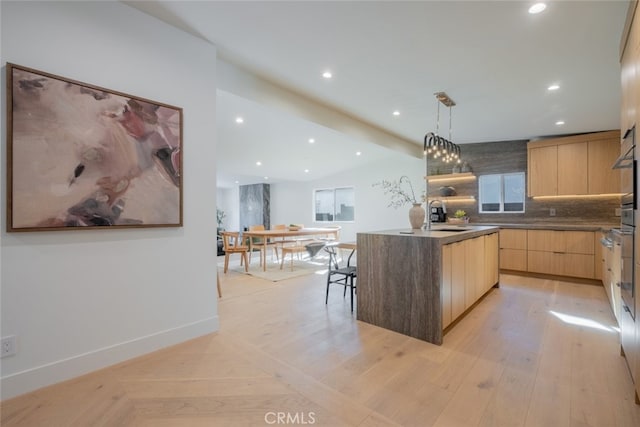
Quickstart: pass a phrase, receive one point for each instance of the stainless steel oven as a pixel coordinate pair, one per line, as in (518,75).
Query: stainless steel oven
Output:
(627,286)
(628,170)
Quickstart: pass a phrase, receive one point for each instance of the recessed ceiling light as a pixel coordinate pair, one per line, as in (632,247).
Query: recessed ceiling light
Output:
(237,182)
(239,120)
(537,8)
(311,140)
(327,74)
(306,171)
(559,122)
(358,153)
(396,113)
(258,163)
(553,87)
(266,177)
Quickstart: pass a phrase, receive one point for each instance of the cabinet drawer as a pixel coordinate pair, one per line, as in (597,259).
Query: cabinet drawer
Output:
(545,240)
(576,242)
(578,265)
(513,259)
(545,262)
(513,239)
(561,264)
(579,242)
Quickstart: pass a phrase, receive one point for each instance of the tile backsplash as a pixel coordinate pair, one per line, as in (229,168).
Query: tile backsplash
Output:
(511,156)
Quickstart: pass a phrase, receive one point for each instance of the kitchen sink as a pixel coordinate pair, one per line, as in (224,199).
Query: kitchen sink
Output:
(450,229)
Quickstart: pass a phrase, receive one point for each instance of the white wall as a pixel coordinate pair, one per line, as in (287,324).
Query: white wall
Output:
(293,202)
(81,300)
(229,200)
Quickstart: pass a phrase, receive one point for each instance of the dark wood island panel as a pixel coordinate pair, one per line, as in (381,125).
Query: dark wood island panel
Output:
(400,279)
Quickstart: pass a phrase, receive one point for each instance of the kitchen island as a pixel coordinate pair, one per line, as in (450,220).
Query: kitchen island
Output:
(418,284)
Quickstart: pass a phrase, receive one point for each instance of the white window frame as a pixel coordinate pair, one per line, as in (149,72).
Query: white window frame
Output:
(501,210)
(334,204)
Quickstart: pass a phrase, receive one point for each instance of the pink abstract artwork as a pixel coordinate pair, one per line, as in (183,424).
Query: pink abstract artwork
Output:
(80,156)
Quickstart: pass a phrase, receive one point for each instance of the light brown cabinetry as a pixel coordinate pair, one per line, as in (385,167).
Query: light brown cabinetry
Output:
(416,284)
(597,259)
(602,155)
(557,252)
(542,165)
(445,286)
(491,261)
(630,113)
(469,270)
(574,165)
(572,170)
(611,277)
(457,279)
(474,270)
(562,253)
(513,249)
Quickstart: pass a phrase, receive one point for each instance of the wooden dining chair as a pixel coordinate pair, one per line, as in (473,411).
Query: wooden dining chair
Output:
(233,244)
(333,235)
(218,283)
(344,276)
(261,243)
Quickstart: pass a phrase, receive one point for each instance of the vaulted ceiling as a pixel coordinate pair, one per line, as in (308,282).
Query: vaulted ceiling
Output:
(493,58)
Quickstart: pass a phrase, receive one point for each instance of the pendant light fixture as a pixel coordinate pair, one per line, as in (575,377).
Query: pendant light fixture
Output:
(437,147)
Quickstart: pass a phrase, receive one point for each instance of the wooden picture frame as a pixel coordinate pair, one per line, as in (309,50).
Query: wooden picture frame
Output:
(84,157)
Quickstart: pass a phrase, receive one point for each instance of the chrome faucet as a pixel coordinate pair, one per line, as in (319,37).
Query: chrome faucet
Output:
(428,223)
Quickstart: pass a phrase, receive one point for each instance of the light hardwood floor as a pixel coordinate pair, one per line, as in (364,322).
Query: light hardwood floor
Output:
(510,362)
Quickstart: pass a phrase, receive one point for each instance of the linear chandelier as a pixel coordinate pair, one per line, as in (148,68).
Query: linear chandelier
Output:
(436,146)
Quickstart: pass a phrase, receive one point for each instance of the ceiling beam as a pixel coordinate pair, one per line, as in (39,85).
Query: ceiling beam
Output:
(239,81)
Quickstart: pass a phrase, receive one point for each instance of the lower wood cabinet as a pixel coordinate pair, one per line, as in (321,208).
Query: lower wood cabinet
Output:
(556,252)
(457,279)
(611,277)
(513,249)
(562,253)
(491,261)
(469,270)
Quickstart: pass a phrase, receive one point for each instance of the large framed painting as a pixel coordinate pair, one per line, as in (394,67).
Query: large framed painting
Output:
(84,157)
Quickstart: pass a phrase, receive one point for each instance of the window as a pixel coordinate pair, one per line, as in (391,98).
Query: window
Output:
(501,193)
(335,204)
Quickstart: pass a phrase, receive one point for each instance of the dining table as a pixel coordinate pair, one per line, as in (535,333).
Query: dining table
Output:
(284,234)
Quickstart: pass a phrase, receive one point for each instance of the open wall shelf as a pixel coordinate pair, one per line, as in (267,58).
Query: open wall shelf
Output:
(450,177)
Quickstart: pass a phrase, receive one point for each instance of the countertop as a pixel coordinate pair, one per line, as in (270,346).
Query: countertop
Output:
(443,233)
(587,226)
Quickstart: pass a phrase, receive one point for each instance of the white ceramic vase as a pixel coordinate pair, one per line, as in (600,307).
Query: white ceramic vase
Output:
(416,215)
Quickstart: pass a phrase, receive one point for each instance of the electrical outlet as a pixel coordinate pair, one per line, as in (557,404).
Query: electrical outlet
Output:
(552,212)
(8,346)
(618,213)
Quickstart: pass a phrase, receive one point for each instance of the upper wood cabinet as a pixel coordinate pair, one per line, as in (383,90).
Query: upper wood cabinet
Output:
(602,155)
(629,75)
(628,81)
(572,168)
(542,163)
(574,165)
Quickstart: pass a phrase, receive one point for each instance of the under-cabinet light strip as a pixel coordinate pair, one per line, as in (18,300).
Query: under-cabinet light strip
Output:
(457,178)
(578,196)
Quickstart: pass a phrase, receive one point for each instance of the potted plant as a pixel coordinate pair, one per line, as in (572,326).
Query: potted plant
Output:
(400,197)
(459,217)
(220,214)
